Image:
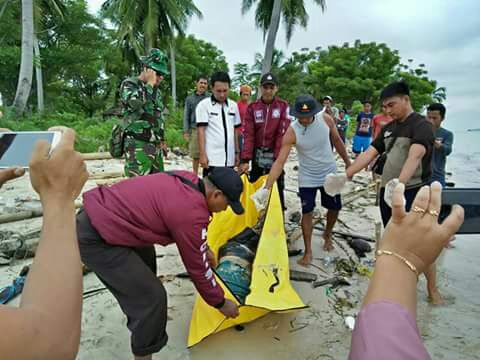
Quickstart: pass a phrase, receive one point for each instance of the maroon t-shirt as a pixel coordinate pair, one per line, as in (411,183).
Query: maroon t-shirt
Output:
(158,209)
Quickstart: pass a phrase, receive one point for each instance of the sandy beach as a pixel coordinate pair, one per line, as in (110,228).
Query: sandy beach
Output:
(451,331)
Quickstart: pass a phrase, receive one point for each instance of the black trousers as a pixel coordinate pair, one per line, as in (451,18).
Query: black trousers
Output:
(257,172)
(130,275)
(386,211)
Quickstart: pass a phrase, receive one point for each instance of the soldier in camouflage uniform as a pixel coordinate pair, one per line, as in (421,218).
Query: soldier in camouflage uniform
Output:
(142,117)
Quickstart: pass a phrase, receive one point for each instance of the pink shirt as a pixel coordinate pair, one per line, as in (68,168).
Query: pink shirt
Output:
(385,330)
(157,209)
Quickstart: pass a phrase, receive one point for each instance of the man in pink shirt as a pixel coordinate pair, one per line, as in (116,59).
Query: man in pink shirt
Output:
(379,121)
(119,226)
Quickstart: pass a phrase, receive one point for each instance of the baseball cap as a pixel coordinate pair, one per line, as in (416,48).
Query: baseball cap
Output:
(305,106)
(229,183)
(269,78)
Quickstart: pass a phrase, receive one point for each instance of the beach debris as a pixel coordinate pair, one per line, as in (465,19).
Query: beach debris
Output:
(271,325)
(360,247)
(302,276)
(346,235)
(334,282)
(295,217)
(350,322)
(9,292)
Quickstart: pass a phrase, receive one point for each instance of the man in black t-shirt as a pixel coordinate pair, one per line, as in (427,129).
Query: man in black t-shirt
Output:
(408,141)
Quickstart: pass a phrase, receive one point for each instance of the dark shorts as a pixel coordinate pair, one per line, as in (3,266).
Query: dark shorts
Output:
(386,211)
(308,197)
(130,275)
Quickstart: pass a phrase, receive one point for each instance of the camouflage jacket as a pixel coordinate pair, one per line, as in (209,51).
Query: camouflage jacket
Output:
(142,110)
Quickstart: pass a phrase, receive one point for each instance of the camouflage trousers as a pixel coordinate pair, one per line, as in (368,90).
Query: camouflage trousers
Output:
(142,158)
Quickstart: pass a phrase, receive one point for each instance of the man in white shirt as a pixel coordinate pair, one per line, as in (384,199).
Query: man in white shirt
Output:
(218,124)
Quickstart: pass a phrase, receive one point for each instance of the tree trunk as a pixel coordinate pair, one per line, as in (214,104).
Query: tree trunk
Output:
(272,34)
(39,75)
(173,69)
(26,64)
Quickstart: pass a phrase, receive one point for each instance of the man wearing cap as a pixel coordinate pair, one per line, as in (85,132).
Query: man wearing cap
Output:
(311,134)
(142,117)
(406,147)
(120,224)
(266,121)
(189,121)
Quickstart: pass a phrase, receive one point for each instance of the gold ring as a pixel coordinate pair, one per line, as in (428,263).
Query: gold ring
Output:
(418,210)
(433,213)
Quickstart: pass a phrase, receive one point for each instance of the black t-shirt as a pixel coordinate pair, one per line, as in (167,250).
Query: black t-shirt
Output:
(414,130)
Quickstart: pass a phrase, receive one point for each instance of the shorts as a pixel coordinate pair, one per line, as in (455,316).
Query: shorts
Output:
(308,197)
(361,143)
(193,145)
(130,275)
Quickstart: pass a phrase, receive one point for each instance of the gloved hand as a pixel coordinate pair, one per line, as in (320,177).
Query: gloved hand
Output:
(260,198)
(334,184)
(389,188)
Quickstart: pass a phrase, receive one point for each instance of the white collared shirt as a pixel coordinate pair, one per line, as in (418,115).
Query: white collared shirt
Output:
(220,121)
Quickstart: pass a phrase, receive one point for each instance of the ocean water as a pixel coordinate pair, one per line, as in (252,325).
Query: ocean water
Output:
(464,162)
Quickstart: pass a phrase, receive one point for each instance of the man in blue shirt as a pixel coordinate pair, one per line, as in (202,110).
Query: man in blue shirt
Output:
(443,142)
(363,134)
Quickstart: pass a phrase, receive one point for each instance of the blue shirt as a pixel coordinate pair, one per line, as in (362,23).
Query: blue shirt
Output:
(364,124)
(440,154)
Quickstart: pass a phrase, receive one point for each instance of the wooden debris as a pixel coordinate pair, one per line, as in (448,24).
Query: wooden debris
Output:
(346,235)
(302,276)
(26,214)
(106,175)
(97,156)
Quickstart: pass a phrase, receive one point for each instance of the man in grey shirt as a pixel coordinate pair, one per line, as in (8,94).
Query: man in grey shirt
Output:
(189,121)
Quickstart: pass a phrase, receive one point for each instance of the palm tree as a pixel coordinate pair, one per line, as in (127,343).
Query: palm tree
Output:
(267,18)
(31,14)
(145,24)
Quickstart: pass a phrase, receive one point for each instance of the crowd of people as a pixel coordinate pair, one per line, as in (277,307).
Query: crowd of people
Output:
(115,231)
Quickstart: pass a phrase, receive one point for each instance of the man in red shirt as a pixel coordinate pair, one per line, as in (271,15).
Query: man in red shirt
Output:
(245,94)
(266,121)
(119,226)
(379,121)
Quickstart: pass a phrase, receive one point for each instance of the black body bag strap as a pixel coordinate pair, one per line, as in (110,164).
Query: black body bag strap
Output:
(199,187)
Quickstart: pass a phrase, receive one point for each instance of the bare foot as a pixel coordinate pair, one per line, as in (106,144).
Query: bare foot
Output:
(306,260)
(327,246)
(435,298)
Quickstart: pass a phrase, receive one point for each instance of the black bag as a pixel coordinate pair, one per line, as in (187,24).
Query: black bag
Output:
(377,168)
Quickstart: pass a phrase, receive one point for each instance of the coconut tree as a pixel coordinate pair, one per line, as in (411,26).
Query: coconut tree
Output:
(145,24)
(267,17)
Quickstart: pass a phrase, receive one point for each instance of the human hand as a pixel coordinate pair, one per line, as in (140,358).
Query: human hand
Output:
(203,161)
(229,309)
(211,258)
(186,136)
(9,174)
(150,77)
(416,235)
(438,144)
(334,184)
(260,198)
(243,168)
(61,174)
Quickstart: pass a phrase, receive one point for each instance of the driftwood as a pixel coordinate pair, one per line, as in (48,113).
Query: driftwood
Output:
(106,175)
(302,276)
(26,214)
(97,156)
(346,235)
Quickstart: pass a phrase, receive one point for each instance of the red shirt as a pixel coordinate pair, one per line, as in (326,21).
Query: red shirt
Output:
(158,209)
(242,109)
(265,125)
(378,122)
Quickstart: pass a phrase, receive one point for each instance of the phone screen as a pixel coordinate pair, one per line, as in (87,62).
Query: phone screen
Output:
(16,148)
(469,199)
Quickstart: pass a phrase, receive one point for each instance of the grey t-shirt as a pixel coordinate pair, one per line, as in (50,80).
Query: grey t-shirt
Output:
(191,102)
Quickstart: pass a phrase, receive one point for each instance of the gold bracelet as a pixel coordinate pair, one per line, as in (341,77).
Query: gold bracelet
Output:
(407,262)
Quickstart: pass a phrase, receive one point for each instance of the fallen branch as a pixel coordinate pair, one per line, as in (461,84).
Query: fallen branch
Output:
(26,214)
(347,235)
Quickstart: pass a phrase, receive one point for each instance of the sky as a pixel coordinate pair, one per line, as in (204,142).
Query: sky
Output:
(442,34)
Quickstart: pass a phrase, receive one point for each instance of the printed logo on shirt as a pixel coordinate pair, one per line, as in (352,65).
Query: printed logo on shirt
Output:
(387,133)
(276,113)
(259,116)
(364,125)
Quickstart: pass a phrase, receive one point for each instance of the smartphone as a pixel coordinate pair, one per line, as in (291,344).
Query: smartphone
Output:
(16,148)
(469,199)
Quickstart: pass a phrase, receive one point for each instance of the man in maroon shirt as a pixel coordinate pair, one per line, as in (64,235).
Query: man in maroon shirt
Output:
(266,121)
(119,224)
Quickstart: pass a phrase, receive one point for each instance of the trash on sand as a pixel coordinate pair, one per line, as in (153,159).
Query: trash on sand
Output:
(360,247)
(302,276)
(333,282)
(350,322)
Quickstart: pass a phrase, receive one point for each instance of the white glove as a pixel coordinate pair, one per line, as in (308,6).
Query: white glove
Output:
(334,184)
(391,185)
(260,198)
